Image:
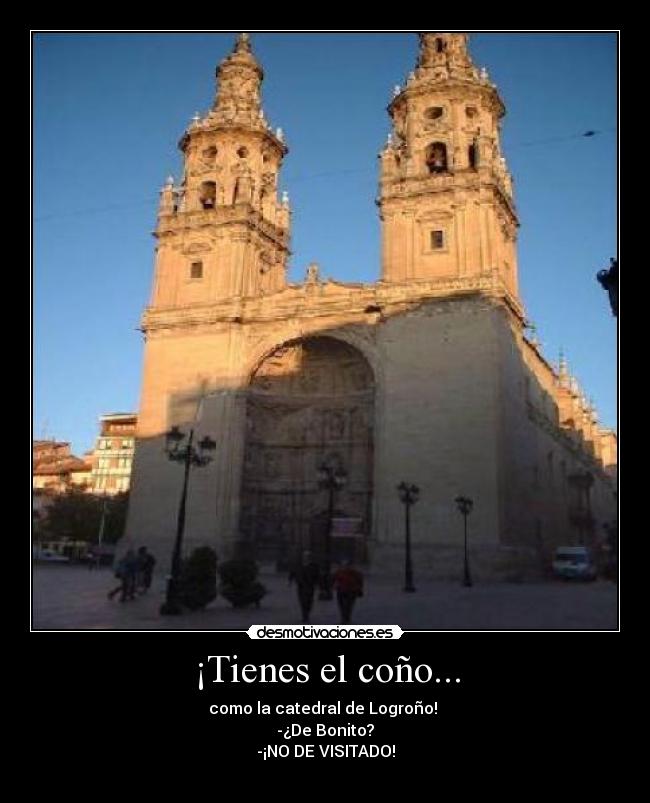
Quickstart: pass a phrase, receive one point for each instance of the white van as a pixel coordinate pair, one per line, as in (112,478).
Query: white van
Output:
(574,563)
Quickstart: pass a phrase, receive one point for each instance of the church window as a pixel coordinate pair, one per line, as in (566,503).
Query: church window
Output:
(440,46)
(210,154)
(437,240)
(437,158)
(242,152)
(434,113)
(208,195)
(196,270)
(471,111)
(472,156)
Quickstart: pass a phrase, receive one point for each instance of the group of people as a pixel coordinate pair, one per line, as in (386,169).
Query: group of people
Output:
(135,572)
(308,576)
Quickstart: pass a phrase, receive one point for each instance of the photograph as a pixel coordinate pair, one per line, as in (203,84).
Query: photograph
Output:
(325,330)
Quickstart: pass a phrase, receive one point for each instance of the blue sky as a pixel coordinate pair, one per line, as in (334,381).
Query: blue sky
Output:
(109,110)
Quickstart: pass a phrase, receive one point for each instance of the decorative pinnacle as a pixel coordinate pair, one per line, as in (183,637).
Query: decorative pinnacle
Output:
(243,43)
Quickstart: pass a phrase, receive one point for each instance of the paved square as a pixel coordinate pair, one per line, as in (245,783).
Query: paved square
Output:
(75,598)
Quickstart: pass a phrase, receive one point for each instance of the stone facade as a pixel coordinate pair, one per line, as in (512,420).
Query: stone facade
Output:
(426,376)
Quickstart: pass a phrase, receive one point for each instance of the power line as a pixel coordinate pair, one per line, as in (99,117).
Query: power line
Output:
(94,210)
(551,140)
(289,179)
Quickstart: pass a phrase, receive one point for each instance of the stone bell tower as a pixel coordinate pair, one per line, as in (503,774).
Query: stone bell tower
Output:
(222,232)
(445,192)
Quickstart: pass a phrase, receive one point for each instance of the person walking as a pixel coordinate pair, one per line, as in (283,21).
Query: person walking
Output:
(348,584)
(126,571)
(306,575)
(146,562)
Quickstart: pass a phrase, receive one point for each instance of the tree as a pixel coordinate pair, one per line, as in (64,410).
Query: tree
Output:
(116,509)
(76,516)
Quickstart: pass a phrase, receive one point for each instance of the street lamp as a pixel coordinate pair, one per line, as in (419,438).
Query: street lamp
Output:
(100,534)
(331,478)
(608,278)
(465,506)
(408,495)
(189,455)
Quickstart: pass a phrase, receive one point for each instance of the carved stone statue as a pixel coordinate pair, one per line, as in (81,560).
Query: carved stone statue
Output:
(313,274)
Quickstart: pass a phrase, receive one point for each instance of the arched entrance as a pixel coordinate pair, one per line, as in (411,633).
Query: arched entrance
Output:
(310,402)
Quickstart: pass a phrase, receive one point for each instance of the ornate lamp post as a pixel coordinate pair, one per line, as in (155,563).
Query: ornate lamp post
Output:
(408,495)
(331,478)
(609,280)
(465,506)
(189,455)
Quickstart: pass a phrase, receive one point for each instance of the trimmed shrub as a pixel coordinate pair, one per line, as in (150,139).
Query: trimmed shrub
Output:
(198,580)
(239,584)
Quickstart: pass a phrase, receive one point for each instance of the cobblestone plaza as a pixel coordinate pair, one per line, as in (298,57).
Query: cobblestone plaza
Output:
(74,598)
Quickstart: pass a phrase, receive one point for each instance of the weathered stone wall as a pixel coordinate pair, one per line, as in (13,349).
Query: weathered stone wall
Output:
(538,456)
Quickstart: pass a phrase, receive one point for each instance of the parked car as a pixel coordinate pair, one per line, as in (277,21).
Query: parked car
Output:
(49,556)
(574,563)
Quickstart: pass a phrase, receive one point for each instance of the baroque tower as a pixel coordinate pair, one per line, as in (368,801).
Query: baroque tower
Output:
(223,233)
(445,192)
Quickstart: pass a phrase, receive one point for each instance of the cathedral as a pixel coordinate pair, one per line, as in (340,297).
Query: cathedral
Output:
(323,397)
